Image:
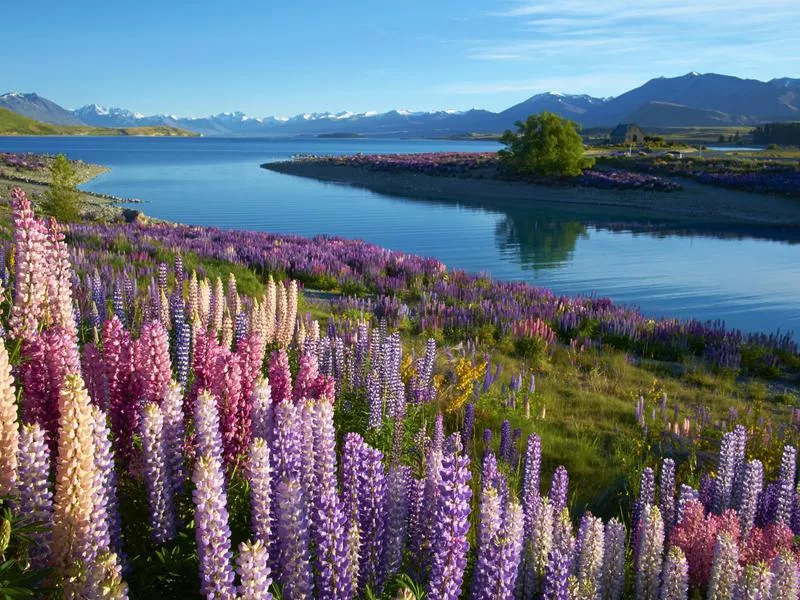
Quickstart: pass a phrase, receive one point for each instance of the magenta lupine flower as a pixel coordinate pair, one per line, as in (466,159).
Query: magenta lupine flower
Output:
(328,519)
(752,487)
(372,517)
(786,485)
(725,568)
(30,268)
(685,495)
(251,357)
(675,578)
(556,576)
(280,378)
(152,363)
(227,387)
(614,561)
(397,497)
(307,372)
(667,494)
(559,489)
(257,469)
(451,525)
(589,560)
(212,529)
(293,540)
(650,560)
(156,474)
(35,491)
(786,582)
(107,523)
(254,572)
(122,403)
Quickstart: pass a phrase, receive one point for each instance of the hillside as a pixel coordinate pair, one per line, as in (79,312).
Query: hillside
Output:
(13,124)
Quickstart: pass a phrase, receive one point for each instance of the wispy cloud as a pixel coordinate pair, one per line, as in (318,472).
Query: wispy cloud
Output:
(577,84)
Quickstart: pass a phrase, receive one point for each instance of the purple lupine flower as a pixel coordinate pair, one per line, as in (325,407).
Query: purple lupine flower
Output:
(430,505)
(261,414)
(614,560)
(675,577)
(752,487)
(212,529)
(438,432)
(723,483)
(286,450)
(590,557)
(706,492)
(293,540)
(328,519)
(351,468)
(556,576)
(451,525)
(754,582)
(786,485)
(502,553)
(156,471)
(725,568)
(489,525)
(174,431)
(183,340)
(35,491)
(108,527)
(416,525)
(504,453)
(397,497)
(786,583)
(686,494)
(254,571)
(257,470)
(563,536)
(667,494)
(487,440)
(469,425)
(119,305)
(649,562)
(537,548)
(374,400)
(559,489)
(372,517)
(240,328)
(208,440)
(739,464)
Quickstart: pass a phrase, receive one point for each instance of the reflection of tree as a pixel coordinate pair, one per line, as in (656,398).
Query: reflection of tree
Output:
(542,242)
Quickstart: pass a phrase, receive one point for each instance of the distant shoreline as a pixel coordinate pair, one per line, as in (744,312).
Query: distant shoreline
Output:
(696,202)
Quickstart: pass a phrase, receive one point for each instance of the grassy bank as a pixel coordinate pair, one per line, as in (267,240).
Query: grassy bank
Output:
(13,124)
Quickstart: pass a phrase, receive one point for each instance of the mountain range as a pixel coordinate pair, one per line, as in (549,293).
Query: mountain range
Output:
(693,99)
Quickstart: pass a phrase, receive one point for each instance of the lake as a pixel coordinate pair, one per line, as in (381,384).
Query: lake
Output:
(749,278)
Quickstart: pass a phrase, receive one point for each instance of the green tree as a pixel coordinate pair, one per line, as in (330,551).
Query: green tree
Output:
(62,199)
(545,144)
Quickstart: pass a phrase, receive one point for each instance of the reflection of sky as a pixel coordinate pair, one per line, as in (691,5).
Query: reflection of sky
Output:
(752,284)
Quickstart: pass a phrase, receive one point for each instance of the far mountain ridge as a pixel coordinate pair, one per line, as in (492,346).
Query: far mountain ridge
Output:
(693,99)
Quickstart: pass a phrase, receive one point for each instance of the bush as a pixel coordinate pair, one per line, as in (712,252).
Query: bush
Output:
(62,199)
(545,144)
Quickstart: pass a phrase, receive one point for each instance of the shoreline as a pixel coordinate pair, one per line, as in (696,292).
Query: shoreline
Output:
(698,203)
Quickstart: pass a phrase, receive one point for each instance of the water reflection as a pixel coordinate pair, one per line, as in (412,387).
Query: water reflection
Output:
(542,243)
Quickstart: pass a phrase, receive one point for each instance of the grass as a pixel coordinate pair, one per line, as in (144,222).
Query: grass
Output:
(13,124)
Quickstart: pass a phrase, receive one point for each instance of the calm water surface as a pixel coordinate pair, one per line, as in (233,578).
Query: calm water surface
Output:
(749,279)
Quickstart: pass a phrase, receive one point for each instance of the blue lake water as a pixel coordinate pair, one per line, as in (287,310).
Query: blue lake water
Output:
(751,280)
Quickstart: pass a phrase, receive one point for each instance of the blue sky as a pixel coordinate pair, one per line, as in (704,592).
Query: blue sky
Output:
(281,58)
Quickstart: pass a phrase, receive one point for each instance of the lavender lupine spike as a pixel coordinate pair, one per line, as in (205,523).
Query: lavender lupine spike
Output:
(212,529)
(285,448)
(755,582)
(614,561)
(489,526)
(156,469)
(208,440)
(174,431)
(183,340)
(261,410)
(452,524)
(398,482)
(563,536)
(293,540)
(504,452)
(257,470)
(430,503)
(786,485)
(328,518)
(650,559)
(107,519)
(374,400)
(739,464)
(438,432)
(372,517)
(559,489)
(556,576)
(541,544)
(590,558)
(35,492)
(786,582)
(724,569)
(675,577)
(254,572)
(752,487)
(667,494)
(723,483)
(686,494)
(530,504)
(510,552)
(469,426)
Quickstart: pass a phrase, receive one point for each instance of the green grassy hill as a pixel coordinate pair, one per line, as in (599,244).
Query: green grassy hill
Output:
(13,124)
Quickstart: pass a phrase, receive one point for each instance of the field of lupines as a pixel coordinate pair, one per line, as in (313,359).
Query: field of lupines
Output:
(487,165)
(165,433)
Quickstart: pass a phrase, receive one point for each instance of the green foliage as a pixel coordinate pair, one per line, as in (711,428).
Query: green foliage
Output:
(531,349)
(13,124)
(62,199)
(545,144)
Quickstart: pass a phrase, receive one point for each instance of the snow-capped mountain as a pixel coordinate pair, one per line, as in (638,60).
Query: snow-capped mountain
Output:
(37,108)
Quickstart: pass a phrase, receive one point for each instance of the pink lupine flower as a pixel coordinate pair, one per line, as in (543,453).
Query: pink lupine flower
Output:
(122,402)
(307,373)
(764,545)
(94,374)
(280,378)
(152,364)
